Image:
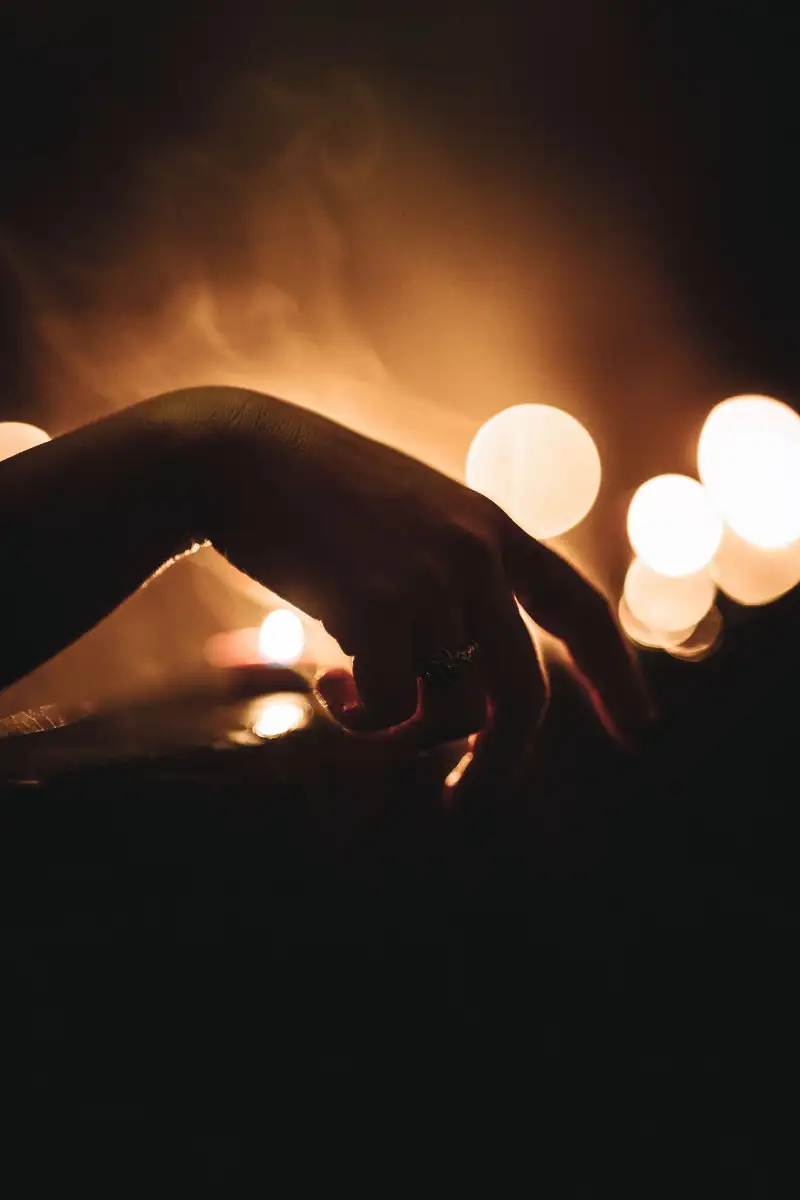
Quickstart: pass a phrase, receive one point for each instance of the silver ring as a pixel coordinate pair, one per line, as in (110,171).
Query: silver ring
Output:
(444,665)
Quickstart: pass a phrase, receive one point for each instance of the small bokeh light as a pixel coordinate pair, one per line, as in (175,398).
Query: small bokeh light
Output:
(748,457)
(281,638)
(16,436)
(539,464)
(673,526)
(274,716)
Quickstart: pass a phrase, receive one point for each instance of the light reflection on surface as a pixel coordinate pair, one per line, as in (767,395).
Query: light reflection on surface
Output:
(539,464)
(456,775)
(281,713)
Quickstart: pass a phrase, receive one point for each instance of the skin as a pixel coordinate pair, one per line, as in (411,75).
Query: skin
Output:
(396,559)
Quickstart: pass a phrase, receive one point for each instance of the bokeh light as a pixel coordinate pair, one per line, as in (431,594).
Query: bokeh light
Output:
(748,457)
(282,637)
(651,639)
(279,714)
(673,526)
(751,575)
(703,641)
(456,775)
(539,464)
(16,436)
(668,603)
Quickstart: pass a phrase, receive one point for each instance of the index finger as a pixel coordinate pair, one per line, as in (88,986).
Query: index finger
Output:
(566,605)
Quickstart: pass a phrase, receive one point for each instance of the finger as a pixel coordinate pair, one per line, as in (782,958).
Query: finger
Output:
(452,704)
(517,692)
(566,605)
(450,711)
(338,691)
(384,679)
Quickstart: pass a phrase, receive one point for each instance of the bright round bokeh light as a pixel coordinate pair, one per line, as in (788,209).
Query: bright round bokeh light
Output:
(665,603)
(281,638)
(539,464)
(640,635)
(751,575)
(16,436)
(748,457)
(280,714)
(703,640)
(673,526)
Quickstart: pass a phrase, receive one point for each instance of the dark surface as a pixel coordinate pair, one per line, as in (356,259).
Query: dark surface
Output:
(616,968)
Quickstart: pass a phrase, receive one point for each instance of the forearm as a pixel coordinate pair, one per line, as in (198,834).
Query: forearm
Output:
(84,520)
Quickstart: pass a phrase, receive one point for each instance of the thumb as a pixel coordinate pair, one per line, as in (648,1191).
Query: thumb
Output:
(338,692)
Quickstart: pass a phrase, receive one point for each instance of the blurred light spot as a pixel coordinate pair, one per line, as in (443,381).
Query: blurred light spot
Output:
(15,436)
(650,638)
(233,648)
(242,737)
(752,575)
(673,526)
(282,637)
(669,603)
(458,770)
(703,641)
(282,713)
(539,464)
(748,457)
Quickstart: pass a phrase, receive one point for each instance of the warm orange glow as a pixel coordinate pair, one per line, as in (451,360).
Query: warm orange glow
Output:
(282,637)
(15,436)
(662,602)
(673,526)
(751,575)
(539,464)
(642,636)
(748,457)
(456,775)
(279,714)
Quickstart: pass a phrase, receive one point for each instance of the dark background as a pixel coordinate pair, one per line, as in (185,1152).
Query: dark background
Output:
(189,966)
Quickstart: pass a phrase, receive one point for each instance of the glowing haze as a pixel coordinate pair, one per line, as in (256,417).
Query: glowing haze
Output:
(315,237)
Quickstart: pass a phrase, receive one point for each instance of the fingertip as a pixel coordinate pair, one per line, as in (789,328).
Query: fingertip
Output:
(337,690)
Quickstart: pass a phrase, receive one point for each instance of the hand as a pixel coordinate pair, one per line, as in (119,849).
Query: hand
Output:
(399,562)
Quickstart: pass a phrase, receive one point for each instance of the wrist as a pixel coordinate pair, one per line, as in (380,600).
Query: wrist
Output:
(228,449)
